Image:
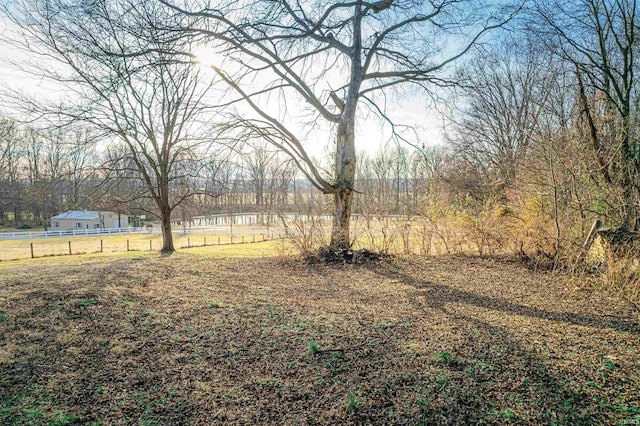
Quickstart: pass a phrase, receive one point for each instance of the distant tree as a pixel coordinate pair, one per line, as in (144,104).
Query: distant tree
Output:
(400,170)
(504,95)
(59,169)
(256,163)
(11,157)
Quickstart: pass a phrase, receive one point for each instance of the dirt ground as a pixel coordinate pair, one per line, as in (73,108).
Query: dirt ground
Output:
(193,339)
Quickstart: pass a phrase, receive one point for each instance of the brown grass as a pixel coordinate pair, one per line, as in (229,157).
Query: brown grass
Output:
(195,339)
(117,243)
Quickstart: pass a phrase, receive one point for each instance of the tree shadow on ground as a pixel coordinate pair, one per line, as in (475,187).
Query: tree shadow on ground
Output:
(123,357)
(437,296)
(486,376)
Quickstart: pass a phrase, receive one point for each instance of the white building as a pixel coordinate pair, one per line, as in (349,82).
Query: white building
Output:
(83,219)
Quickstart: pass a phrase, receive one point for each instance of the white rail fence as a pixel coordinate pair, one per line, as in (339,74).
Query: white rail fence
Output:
(227,224)
(176,229)
(30,235)
(146,239)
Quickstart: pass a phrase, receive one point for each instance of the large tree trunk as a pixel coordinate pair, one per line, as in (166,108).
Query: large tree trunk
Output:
(345,173)
(341,219)
(345,178)
(167,236)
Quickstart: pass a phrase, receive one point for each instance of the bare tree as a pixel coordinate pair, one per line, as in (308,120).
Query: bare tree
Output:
(282,175)
(400,168)
(333,57)
(257,163)
(599,39)
(11,157)
(151,104)
(505,93)
(59,166)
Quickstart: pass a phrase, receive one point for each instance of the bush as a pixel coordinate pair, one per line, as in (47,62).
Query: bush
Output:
(622,278)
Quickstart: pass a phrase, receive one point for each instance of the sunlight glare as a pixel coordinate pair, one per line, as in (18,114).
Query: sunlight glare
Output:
(208,57)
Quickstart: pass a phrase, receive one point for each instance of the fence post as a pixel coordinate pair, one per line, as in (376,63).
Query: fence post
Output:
(32,250)
(188,242)
(150,245)
(205,240)
(231,238)
(243,239)
(100,246)
(218,239)
(127,245)
(254,237)
(69,248)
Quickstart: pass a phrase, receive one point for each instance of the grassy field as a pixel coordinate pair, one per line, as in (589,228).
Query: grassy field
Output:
(225,335)
(390,236)
(44,247)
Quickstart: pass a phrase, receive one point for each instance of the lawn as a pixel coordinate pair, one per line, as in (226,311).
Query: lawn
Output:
(206,336)
(117,243)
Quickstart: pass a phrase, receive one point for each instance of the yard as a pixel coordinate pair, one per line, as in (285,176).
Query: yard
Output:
(118,243)
(208,336)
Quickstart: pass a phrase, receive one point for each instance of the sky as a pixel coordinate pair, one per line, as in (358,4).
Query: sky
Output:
(371,133)
(13,77)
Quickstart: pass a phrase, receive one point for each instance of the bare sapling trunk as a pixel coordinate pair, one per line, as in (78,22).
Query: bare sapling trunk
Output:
(629,211)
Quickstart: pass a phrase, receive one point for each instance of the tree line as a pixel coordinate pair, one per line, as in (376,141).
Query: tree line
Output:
(44,172)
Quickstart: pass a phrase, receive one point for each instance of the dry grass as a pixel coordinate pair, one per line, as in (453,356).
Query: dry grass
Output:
(44,247)
(390,235)
(197,339)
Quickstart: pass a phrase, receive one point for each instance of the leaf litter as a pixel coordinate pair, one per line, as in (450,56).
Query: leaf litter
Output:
(191,339)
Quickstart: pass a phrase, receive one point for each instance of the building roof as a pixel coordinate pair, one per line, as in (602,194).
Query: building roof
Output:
(80,215)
